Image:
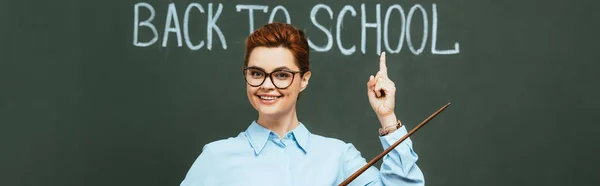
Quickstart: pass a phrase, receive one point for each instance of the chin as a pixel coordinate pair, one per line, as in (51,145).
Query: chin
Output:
(268,112)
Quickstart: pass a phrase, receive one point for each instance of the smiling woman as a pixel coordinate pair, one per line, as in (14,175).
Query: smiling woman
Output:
(275,98)
(277,149)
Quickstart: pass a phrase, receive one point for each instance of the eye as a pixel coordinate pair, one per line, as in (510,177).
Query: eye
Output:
(255,73)
(282,75)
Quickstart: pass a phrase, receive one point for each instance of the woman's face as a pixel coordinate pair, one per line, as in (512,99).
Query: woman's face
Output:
(267,99)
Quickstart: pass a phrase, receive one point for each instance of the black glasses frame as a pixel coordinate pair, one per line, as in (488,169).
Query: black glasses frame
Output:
(270,75)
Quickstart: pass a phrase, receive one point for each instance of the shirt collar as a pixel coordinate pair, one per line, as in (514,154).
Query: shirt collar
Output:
(259,135)
(301,134)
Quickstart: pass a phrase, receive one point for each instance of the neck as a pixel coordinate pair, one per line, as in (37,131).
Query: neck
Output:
(280,124)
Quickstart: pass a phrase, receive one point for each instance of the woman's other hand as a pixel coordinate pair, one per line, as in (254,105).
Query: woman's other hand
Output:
(382,92)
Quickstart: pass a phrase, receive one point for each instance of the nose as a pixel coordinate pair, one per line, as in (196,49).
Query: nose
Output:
(268,84)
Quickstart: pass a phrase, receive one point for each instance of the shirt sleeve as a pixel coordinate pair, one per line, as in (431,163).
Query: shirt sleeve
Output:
(398,168)
(202,171)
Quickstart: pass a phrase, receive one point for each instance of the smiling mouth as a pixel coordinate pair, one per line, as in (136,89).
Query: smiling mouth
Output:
(269,98)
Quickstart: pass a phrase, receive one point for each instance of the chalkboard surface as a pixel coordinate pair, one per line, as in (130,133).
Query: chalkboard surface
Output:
(127,92)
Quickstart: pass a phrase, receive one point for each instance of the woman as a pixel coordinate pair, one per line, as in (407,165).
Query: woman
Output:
(277,149)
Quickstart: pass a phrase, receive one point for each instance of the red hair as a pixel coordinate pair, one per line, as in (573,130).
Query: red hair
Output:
(280,35)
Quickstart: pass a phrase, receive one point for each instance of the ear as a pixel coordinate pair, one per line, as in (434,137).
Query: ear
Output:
(305,79)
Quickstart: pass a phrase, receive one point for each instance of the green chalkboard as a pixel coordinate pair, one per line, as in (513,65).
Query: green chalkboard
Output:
(91,95)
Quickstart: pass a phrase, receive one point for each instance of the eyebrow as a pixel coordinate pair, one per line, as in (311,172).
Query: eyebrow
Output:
(278,68)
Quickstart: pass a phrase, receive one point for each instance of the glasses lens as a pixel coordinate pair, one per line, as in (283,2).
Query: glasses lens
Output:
(282,79)
(254,77)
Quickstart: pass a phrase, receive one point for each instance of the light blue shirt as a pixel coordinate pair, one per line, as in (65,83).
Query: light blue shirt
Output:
(258,157)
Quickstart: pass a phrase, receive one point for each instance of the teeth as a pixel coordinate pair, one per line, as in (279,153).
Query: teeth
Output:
(268,97)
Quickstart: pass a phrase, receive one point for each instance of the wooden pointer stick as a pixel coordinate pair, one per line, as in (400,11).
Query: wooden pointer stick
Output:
(386,151)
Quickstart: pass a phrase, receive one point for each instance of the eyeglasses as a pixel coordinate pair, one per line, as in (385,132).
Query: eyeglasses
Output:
(281,79)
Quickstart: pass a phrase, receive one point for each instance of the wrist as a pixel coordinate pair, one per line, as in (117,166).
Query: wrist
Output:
(388,121)
(385,130)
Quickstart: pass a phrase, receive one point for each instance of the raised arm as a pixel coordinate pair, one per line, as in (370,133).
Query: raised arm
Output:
(399,166)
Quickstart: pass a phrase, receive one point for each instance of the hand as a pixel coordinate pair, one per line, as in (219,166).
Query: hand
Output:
(382,92)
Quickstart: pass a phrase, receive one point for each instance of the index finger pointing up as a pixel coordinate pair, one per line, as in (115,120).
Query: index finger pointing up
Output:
(382,65)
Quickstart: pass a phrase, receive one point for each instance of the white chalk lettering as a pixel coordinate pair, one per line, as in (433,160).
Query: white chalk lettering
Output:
(313,18)
(396,20)
(365,25)
(251,9)
(211,25)
(146,23)
(434,36)
(386,29)
(285,12)
(172,14)
(425,28)
(186,34)
(338,31)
